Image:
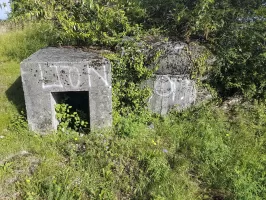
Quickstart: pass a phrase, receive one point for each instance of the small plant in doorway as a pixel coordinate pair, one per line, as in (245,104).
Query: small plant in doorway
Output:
(69,119)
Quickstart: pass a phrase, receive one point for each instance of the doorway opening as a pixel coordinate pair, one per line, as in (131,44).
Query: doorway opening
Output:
(78,104)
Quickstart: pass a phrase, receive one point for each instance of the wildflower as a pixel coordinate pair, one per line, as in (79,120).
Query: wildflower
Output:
(153,142)
(165,150)
(75,139)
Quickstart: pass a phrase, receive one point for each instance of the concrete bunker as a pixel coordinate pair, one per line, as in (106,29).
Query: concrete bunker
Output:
(51,73)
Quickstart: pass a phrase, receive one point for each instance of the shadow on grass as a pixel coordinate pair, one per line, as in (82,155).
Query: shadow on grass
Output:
(15,95)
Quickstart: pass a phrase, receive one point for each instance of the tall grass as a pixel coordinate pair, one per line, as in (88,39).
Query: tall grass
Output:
(19,43)
(204,153)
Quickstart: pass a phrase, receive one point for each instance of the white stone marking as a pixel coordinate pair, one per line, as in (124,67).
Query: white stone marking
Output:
(22,72)
(70,78)
(179,47)
(56,84)
(89,76)
(104,79)
(167,93)
(173,88)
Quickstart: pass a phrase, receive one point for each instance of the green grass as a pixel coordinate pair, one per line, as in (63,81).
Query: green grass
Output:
(202,153)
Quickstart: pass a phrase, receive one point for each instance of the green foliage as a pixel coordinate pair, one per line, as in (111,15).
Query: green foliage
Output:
(197,18)
(69,119)
(241,60)
(130,69)
(183,18)
(18,122)
(201,68)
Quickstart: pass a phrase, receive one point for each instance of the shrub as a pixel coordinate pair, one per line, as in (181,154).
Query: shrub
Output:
(81,22)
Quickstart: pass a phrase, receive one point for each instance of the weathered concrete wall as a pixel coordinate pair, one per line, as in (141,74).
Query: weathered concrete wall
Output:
(62,70)
(171,85)
(171,91)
